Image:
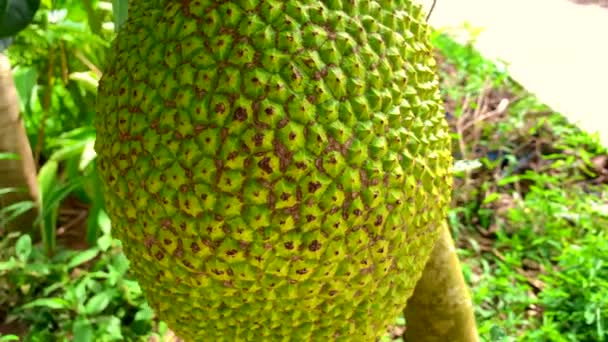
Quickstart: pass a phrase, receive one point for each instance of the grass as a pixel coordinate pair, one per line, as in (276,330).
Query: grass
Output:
(529,214)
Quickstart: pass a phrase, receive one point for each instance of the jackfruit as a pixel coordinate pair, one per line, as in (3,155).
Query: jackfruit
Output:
(275,170)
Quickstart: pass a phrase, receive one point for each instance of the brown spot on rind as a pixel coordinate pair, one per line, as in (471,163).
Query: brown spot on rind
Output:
(313,186)
(314,246)
(282,123)
(258,139)
(219,108)
(264,164)
(378,220)
(240,114)
(179,251)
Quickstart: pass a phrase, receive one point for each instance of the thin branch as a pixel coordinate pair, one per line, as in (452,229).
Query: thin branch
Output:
(428,16)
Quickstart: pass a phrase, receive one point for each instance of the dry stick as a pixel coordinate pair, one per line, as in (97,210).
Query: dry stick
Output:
(13,139)
(500,109)
(428,16)
(65,72)
(441,309)
(46,106)
(88,63)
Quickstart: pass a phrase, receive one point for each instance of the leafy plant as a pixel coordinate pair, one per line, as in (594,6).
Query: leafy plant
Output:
(84,294)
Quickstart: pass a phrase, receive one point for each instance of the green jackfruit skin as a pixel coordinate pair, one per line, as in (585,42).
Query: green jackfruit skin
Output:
(276,170)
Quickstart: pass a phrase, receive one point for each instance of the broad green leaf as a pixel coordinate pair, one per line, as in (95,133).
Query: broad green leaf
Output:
(86,79)
(145,313)
(120,9)
(51,303)
(47,177)
(8,265)
(113,328)
(23,247)
(47,180)
(88,154)
(104,242)
(120,263)
(25,83)
(99,302)
(38,269)
(7,338)
(104,221)
(82,330)
(491,198)
(94,20)
(83,257)
(9,156)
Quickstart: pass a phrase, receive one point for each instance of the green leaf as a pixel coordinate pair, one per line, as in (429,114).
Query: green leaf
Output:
(9,156)
(104,242)
(87,79)
(25,82)
(83,257)
(9,213)
(94,20)
(113,328)
(5,191)
(120,263)
(88,155)
(120,9)
(47,177)
(99,302)
(82,330)
(38,269)
(7,338)
(23,247)
(8,265)
(51,303)
(105,224)
(144,314)
(491,198)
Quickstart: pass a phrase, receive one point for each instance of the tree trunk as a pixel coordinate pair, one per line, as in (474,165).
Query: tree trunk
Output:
(19,173)
(441,309)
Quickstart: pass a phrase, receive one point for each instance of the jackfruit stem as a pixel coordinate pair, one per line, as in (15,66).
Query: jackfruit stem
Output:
(441,309)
